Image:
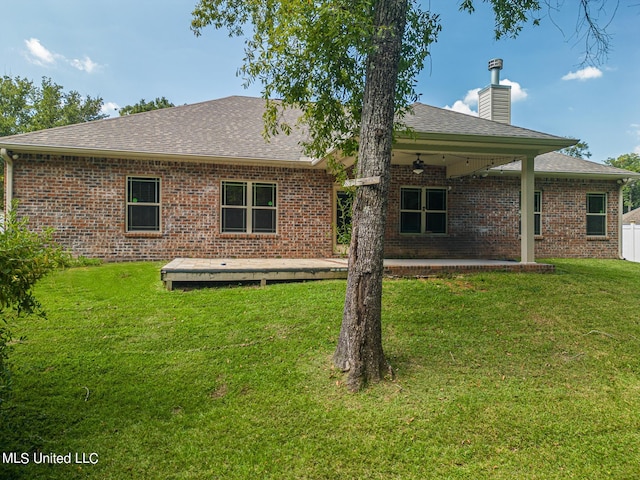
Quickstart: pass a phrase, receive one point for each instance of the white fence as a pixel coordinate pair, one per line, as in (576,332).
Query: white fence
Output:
(631,242)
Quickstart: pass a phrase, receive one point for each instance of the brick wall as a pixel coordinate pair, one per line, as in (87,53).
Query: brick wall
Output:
(483,218)
(84,200)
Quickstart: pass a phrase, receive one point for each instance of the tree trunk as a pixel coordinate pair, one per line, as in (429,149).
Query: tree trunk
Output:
(359,351)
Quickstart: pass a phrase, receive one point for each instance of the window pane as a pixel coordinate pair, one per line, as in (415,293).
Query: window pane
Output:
(410,222)
(537,224)
(143,217)
(234,220)
(234,193)
(264,195)
(436,199)
(537,202)
(144,190)
(436,223)
(596,203)
(411,199)
(264,221)
(596,225)
(343,217)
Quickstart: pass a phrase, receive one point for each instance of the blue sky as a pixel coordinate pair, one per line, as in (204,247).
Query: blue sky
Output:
(124,51)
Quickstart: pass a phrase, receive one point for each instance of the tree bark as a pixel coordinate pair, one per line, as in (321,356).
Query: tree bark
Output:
(359,351)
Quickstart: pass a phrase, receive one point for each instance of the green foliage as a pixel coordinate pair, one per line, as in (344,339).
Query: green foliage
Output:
(630,192)
(144,106)
(579,150)
(312,55)
(26,107)
(510,15)
(25,257)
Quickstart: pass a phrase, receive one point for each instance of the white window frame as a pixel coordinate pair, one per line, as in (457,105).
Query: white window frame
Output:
(133,202)
(248,207)
(424,212)
(537,214)
(593,214)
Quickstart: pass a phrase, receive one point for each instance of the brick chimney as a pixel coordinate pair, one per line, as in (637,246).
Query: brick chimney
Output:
(494,101)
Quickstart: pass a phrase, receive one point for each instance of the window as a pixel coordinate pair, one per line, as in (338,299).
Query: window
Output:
(143,204)
(423,210)
(537,213)
(343,211)
(597,214)
(248,207)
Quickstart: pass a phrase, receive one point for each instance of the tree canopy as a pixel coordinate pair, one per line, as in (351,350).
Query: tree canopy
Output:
(144,106)
(579,150)
(630,192)
(312,56)
(27,107)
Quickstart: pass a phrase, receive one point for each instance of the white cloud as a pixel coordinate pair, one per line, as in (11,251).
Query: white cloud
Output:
(462,107)
(110,108)
(585,74)
(517,92)
(86,64)
(38,54)
(470,100)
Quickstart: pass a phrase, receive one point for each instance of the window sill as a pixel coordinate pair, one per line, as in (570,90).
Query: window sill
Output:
(143,234)
(246,235)
(598,238)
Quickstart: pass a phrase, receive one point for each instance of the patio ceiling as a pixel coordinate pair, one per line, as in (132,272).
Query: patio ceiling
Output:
(469,154)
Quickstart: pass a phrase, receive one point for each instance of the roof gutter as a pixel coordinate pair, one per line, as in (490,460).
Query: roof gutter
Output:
(182,157)
(620,210)
(8,178)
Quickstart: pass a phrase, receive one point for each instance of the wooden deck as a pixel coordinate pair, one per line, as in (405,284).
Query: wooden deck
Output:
(184,271)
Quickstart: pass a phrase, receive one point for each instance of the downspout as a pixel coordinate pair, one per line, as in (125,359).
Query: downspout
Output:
(620,228)
(8,180)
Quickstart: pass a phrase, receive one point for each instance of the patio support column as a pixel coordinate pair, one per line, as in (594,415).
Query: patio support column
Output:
(527,200)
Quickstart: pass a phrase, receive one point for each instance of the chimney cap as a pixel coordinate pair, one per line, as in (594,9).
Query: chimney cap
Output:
(495,63)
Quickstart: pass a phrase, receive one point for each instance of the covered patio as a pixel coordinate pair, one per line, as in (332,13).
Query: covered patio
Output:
(189,271)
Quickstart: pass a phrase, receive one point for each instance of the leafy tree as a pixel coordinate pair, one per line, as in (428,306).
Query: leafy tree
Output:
(25,257)
(350,66)
(631,191)
(143,106)
(579,150)
(26,107)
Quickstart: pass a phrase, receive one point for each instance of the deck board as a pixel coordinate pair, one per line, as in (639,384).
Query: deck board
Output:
(200,270)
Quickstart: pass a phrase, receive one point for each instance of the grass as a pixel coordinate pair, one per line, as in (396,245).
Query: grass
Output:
(498,375)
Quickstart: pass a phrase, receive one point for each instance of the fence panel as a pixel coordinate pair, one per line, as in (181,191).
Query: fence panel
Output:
(631,242)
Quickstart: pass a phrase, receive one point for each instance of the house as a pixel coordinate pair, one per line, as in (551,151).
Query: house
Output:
(632,216)
(201,181)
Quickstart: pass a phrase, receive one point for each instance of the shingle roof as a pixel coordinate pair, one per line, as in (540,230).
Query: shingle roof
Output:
(231,127)
(631,217)
(228,127)
(555,163)
(426,118)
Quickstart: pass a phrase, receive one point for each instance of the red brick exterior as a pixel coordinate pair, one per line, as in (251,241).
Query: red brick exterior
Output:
(83,199)
(483,218)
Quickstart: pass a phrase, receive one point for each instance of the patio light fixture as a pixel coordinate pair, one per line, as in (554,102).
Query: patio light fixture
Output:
(418,165)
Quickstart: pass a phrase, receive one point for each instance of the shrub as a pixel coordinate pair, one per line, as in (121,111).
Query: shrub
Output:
(25,257)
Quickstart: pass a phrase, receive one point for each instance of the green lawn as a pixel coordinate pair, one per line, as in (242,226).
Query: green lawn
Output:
(498,375)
